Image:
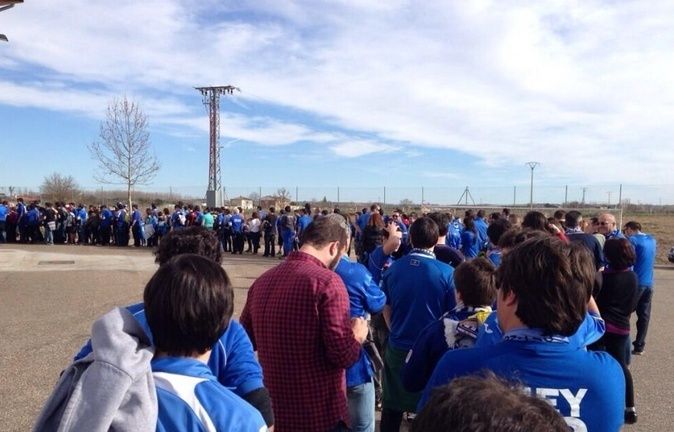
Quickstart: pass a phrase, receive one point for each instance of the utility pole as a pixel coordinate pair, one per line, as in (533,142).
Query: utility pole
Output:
(533,166)
(583,200)
(609,198)
(514,196)
(211,99)
(566,195)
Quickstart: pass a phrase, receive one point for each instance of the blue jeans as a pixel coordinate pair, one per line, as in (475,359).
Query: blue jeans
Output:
(361,407)
(643,317)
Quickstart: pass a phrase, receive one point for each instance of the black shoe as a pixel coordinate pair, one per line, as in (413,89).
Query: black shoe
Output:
(638,352)
(630,415)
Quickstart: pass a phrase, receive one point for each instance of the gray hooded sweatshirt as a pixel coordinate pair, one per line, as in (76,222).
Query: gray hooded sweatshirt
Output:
(109,389)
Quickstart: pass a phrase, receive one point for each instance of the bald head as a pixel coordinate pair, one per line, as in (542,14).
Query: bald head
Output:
(607,223)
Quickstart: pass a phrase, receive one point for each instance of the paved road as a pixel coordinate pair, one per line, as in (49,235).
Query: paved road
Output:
(50,296)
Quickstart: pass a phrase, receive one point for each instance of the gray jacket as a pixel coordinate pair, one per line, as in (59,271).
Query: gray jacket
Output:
(111,388)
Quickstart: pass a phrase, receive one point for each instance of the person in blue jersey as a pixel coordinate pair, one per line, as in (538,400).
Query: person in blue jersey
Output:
(442,251)
(470,241)
(608,226)
(22,220)
(645,248)
(454,230)
(365,298)
(572,223)
(189,302)
(81,217)
(396,217)
(487,403)
(481,225)
(151,231)
(419,289)
(105,226)
(287,227)
(542,301)
(475,285)
(591,329)
(236,223)
(232,359)
(33,219)
(198,216)
(137,226)
(303,222)
(121,226)
(178,218)
(495,230)
(4,210)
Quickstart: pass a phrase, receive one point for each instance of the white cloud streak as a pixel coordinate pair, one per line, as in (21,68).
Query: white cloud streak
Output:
(583,87)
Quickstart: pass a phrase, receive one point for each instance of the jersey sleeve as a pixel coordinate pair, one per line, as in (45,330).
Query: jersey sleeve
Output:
(375,299)
(233,361)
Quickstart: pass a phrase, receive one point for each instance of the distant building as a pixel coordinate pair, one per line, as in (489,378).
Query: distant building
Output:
(243,202)
(272,201)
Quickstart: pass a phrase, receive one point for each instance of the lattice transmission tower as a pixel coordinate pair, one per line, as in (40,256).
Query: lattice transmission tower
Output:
(211,99)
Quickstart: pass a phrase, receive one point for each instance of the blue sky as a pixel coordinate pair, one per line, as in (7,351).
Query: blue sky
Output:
(356,94)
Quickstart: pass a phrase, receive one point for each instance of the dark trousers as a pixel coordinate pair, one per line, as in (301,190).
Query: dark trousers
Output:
(390,420)
(269,244)
(237,243)
(227,240)
(255,238)
(643,317)
(10,233)
(619,348)
(104,235)
(2,232)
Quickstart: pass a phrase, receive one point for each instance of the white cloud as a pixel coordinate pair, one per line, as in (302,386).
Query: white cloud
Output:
(583,87)
(353,149)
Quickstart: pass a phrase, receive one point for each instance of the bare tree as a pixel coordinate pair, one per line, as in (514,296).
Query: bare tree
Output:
(283,195)
(123,151)
(57,187)
(254,196)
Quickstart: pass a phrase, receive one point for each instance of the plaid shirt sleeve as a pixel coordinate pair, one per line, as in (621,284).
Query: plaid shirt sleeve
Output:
(342,349)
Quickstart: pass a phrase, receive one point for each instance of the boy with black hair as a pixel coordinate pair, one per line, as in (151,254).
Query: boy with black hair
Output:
(189,302)
(475,293)
(419,289)
(442,251)
(544,287)
(494,232)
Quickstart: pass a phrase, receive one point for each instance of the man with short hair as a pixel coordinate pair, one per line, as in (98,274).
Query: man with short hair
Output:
(481,227)
(442,251)
(645,248)
(574,233)
(4,210)
(269,228)
(607,226)
(297,316)
(287,228)
(544,287)
(419,289)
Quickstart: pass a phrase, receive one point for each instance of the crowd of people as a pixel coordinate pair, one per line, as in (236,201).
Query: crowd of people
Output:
(449,323)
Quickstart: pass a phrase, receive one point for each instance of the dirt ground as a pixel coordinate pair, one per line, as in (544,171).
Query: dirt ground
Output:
(662,226)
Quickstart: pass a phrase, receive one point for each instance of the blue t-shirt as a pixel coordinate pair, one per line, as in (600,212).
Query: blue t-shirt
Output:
(191,399)
(419,290)
(237,223)
(362,221)
(453,238)
(303,222)
(365,297)
(377,262)
(33,216)
(590,331)
(645,247)
(106,218)
(586,387)
(137,218)
(470,244)
(82,215)
(494,255)
(481,227)
(3,213)
(232,357)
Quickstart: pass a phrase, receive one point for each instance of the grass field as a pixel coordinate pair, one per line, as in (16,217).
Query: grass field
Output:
(662,226)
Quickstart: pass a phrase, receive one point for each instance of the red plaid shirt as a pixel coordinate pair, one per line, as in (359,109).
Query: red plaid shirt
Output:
(297,315)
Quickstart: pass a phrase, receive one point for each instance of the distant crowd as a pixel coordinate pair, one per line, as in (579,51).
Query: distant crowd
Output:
(446,322)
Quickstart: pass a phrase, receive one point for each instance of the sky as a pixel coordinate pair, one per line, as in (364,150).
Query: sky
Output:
(352,94)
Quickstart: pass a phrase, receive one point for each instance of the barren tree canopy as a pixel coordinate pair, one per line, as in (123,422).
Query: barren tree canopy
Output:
(123,150)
